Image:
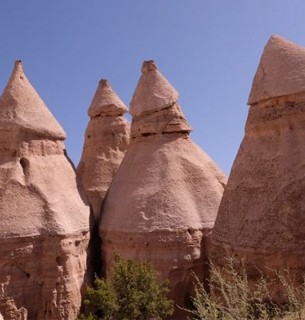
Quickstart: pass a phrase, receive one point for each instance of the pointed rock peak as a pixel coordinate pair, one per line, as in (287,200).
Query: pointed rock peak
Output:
(149,66)
(104,83)
(18,67)
(22,108)
(153,91)
(281,71)
(106,101)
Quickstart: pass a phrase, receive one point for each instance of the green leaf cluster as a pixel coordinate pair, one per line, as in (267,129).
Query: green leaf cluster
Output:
(132,293)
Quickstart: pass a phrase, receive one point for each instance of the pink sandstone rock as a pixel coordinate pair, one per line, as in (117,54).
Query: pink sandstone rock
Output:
(44,220)
(12,311)
(157,91)
(106,140)
(21,107)
(262,213)
(281,71)
(163,201)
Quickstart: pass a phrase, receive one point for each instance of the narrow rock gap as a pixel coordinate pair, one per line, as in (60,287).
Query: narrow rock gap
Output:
(24,164)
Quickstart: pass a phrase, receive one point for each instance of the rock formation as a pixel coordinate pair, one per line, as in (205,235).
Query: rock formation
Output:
(44,221)
(262,213)
(163,201)
(106,141)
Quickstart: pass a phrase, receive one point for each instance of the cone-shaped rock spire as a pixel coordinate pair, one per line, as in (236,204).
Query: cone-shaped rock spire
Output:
(154,105)
(21,107)
(262,212)
(44,221)
(281,71)
(106,101)
(153,92)
(106,140)
(168,190)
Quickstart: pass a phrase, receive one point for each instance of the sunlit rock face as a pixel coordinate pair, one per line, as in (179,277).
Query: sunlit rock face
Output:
(262,213)
(44,218)
(106,140)
(162,203)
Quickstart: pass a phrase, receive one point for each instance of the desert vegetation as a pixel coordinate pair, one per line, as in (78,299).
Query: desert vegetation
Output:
(132,292)
(230,295)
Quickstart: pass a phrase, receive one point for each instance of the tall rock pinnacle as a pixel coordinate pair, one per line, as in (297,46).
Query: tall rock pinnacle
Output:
(262,213)
(106,140)
(163,201)
(44,222)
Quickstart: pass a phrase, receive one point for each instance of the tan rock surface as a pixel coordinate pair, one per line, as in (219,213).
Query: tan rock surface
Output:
(12,311)
(106,102)
(153,92)
(281,71)
(44,221)
(261,216)
(106,140)
(21,107)
(164,198)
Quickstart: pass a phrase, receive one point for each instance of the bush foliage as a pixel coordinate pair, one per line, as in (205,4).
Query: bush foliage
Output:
(229,296)
(132,293)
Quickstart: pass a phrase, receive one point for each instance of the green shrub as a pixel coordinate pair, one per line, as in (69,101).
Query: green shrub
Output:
(230,296)
(132,293)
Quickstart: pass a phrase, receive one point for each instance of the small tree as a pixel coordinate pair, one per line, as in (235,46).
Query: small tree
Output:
(133,293)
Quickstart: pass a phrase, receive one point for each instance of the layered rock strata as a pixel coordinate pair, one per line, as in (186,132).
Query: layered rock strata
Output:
(106,140)
(44,220)
(163,201)
(262,213)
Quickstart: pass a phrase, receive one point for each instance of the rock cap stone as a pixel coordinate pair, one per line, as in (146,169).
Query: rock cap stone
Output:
(281,71)
(106,101)
(21,107)
(153,91)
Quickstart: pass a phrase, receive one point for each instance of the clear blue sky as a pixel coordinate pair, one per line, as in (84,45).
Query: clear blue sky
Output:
(208,49)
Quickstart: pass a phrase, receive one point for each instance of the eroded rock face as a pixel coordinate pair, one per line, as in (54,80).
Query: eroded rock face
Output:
(163,201)
(281,71)
(44,218)
(262,213)
(106,140)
